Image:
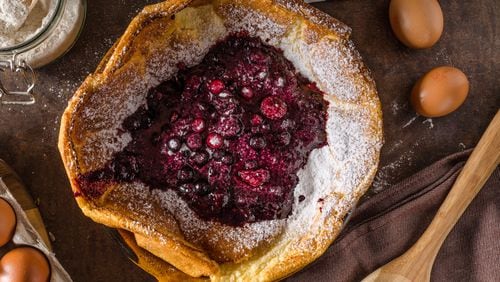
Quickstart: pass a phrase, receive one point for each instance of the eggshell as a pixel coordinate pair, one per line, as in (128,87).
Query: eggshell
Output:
(440,91)
(7,222)
(24,264)
(416,23)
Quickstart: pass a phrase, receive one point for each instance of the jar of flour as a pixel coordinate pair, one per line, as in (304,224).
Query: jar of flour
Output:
(38,32)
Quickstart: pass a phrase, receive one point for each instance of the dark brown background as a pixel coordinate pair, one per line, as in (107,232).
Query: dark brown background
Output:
(471,42)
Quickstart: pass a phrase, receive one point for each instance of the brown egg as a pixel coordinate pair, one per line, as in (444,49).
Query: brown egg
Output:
(7,222)
(416,23)
(440,91)
(24,264)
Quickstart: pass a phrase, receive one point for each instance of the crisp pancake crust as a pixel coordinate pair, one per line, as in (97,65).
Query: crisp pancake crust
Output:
(175,243)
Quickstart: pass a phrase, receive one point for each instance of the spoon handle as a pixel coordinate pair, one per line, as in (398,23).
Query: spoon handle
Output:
(482,162)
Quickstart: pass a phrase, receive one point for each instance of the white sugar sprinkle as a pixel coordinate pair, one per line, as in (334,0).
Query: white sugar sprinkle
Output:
(331,180)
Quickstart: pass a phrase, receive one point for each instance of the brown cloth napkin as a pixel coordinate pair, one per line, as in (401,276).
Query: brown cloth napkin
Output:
(388,223)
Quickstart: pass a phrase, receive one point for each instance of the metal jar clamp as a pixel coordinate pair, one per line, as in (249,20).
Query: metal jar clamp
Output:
(16,97)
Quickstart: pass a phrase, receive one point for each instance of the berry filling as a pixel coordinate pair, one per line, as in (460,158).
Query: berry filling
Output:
(228,135)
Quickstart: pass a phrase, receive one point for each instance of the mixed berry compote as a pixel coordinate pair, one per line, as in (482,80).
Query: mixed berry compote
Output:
(228,135)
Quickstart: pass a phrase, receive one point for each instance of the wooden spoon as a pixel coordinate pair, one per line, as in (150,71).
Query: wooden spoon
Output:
(416,263)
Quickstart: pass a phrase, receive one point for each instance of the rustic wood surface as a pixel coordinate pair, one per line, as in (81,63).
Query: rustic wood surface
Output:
(471,42)
(24,199)
(417,262)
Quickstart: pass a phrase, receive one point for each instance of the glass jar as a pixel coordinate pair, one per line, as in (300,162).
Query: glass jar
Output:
(57,33)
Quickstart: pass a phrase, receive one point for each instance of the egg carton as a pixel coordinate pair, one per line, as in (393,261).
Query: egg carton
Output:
(26,235)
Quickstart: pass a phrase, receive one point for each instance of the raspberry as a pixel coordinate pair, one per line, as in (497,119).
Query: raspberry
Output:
(255,178)
(228,126)
(273,107)
(256,120)
(194,142)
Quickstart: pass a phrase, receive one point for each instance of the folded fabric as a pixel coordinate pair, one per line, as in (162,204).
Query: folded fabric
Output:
(388,223)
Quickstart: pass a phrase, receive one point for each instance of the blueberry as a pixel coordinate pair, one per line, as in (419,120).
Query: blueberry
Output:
(247,93)
(187,188)
(202,188)
(125,167)
(227,159)
(185,174)
(224,157)
(201,158)
(257,142)
(140,120)
(217,155)
(174,144)
(284,138)
(287,124)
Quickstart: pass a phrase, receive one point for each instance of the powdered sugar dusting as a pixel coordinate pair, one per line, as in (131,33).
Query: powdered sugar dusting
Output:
(330,181)
(125,92)
(334,176)
(330,62)
(195,229)
(256,24)
(107,136)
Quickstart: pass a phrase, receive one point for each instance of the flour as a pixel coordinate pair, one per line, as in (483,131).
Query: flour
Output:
(18,22)
(65,23)
(385,175)
(13,13)
(429,122)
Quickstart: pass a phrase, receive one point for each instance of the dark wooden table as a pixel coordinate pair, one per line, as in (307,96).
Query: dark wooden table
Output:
(471,42)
